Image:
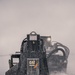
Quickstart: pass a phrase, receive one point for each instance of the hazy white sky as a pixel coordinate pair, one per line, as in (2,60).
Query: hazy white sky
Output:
(46,17)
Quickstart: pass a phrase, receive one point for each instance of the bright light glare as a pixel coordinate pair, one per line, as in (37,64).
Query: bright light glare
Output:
(48,39)
(33,33)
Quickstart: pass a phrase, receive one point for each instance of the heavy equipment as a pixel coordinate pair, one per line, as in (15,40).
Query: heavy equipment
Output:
(38,56)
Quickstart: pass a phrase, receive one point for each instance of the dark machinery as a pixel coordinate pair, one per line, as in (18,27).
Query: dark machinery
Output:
(32,60)
(58,58)
(38,56)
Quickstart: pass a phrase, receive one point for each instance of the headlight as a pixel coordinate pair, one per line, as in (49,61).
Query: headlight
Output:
(48,39)
(33,37)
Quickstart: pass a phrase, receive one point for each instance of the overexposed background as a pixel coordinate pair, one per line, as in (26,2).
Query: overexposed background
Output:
(46,17)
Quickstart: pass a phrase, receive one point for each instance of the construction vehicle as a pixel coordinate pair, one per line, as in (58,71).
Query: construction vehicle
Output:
(38,56)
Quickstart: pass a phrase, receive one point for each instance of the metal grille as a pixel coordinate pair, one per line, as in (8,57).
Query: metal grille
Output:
(32,66)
